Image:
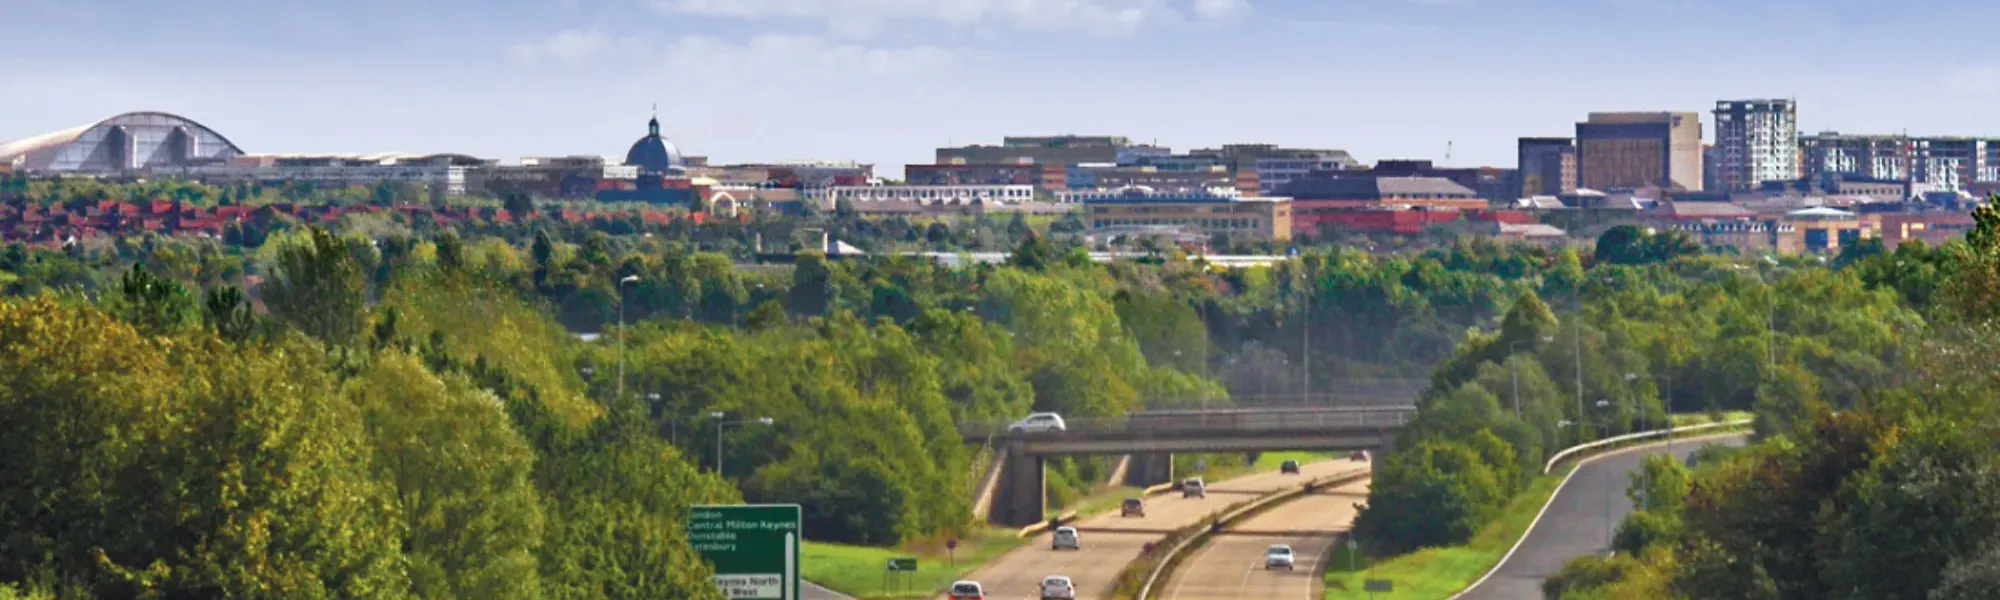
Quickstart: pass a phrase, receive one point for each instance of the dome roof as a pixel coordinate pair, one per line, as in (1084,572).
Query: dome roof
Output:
(654,154)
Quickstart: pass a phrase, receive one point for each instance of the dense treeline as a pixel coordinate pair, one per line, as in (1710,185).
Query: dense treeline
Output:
(1891,494)
(391,409)
(1660,331)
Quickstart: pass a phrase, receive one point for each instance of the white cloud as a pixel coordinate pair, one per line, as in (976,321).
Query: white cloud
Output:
(574,45)
(781,59)
(1115,18)
(1217,10)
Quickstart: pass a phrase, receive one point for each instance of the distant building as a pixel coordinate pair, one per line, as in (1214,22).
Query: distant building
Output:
(1138,211)
(1118,177)
(1042,176)
(1049,150)
(1327,197)
(1637,149)
(1755,141)
(989,197)
(1275,166)
(564,177)
(1936,163)
(1546,166)
(1491,183)
(134,141)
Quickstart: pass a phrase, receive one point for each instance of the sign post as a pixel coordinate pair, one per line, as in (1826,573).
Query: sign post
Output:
(951,551)
(754,547)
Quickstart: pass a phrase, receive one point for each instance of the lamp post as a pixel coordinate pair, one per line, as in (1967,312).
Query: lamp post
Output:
(719,423)
(1515,368)
(621,330)
(1609,532)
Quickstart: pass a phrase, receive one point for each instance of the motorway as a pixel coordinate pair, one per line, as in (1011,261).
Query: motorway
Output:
(1575,523)
(1111,541)
(1230,565)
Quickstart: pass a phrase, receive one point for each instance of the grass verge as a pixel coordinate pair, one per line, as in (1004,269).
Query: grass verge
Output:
(1436,573)
(859,570)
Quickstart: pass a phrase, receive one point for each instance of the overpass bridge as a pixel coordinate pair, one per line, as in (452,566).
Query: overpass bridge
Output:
(1014,489)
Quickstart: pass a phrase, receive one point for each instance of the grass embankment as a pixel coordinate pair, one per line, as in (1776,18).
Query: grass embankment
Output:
(1683,420)
(859,570)
(1434,573)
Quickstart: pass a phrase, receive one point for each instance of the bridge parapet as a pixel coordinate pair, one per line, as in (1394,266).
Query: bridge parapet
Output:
(1232,420)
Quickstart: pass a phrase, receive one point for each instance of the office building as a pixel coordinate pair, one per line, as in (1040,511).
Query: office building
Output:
(1546,166)
(1065,150)
(1755,141)
(1042,176)
(1936,163)
(1275,166)
(1631,150)
(1138,211)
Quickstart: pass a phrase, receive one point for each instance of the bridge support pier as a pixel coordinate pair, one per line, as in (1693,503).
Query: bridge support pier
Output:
(1021,498)
(1379,458)
(1150,469)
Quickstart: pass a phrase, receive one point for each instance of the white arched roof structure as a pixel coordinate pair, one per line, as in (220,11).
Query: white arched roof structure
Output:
(131,141)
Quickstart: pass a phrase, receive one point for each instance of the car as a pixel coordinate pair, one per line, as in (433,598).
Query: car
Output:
(1132,507)
(1066,537)
(1278,556)
(1358,455)
(1289,467)
(1194,488)
(967,590)
(1039,423)
(1057,587)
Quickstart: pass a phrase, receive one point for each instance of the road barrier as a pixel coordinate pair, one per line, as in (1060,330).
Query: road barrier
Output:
(1193,534)
(1559,487)
(1635,436)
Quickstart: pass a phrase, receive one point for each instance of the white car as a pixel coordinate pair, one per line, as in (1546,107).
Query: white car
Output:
(1039,423)
(967,590)
(1278,556)
(1057,587)
(1066,537)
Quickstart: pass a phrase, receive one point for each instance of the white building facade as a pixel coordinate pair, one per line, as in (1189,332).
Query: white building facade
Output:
(1756,141)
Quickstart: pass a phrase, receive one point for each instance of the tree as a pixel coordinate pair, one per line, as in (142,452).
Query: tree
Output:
(318,287)
(228,313)
(519,205)
(156,306)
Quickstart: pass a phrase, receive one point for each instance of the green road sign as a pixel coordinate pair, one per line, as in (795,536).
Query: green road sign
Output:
(1378,585)
(903,563)
(754,547)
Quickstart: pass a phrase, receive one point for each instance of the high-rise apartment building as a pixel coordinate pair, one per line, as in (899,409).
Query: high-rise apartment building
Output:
(1944,163)
(1546,166)
(1755,141)
(1629,150)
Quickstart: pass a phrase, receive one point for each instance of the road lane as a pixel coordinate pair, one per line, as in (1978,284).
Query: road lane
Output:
(1230,566)
(1111,541)
(1575,522)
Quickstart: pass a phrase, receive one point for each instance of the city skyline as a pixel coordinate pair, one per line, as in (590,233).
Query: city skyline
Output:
(888,81)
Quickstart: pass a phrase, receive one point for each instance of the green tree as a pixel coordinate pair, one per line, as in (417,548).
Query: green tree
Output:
(156,306)
(318,287)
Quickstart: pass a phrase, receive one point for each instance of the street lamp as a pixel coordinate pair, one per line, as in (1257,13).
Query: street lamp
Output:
(621,331)
(719,423)
(1516,368)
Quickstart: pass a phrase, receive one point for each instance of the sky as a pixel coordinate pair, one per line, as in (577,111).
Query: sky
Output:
(888,81)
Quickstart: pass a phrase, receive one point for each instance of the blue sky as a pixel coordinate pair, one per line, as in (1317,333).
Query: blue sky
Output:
(886,81)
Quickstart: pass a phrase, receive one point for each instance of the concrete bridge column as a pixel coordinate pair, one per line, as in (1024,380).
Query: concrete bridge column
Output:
(1150,469)
(1379,457)
(1022,496)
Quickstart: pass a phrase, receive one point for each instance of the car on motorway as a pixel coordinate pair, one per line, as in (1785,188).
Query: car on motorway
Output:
(1194,488)
(967,590)
(1358,455)
(1057,587)
(1133,507)
(1039,423)
(1066,537)
(1289,467)
(1278,556)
